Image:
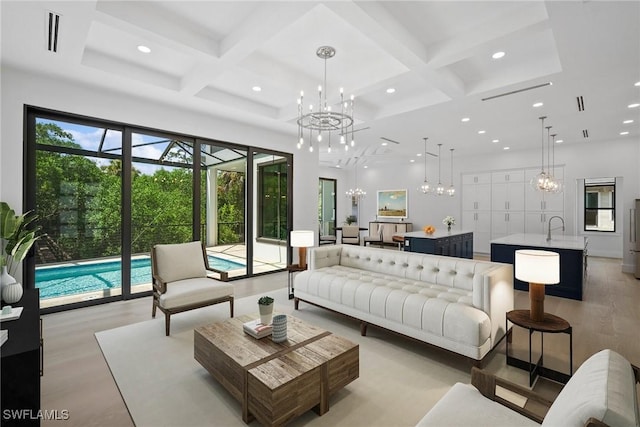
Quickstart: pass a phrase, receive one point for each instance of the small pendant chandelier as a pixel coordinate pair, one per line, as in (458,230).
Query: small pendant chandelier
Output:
(440,187)
(425,188)
(356,193)
(539,182)
(451,191)
(557,185)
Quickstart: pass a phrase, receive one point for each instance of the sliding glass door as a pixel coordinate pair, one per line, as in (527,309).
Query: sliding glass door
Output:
(78,180)
(272,217)
(223,183)
(105,193)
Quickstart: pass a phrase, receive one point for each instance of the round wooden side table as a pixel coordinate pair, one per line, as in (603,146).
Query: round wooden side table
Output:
(551,324)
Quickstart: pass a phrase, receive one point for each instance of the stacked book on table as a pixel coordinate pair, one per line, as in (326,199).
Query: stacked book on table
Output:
(257,329)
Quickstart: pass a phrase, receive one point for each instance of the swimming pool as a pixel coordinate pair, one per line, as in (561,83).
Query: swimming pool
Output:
(64,280)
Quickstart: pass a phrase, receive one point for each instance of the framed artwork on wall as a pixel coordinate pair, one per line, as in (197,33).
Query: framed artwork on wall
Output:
(392,203)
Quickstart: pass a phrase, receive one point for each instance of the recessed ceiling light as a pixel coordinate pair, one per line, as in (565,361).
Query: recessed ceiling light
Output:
(497,55)
(481,131)
(419,154)
(560,141)
(465,119)
(624,133)
(144,49)
(412,160)
(538,104)
(633,105)
(626,122)
(506,148)
(495,140)
(391,90)
(256,89)
(637,84)
(366,167)
(384,144)
(338,166)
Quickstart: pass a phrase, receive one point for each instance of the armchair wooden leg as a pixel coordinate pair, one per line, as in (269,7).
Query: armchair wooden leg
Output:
(167,323)
(231,306)
(296,303)
(153,309)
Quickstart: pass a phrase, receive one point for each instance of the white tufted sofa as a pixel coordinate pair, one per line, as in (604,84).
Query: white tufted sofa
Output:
(454,303)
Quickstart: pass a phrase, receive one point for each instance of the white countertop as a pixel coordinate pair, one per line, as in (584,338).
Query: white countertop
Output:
(558,241)
(439,233)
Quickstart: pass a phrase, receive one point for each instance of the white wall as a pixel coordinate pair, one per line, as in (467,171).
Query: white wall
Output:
(616,158)
(20,88)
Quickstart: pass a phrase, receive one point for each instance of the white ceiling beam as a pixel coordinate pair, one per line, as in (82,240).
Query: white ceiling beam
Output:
(268,19)
(144,20)
(503,28)
(375,22)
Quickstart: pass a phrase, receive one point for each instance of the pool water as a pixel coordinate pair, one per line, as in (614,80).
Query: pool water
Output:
(68,280)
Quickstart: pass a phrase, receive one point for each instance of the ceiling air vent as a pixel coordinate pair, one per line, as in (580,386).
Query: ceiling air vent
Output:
(580,103)
(52,22)
(585,133)
(517,91)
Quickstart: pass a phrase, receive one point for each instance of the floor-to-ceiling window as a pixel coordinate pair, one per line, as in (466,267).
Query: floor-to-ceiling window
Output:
(223,210)
(106,192)
(78,180)
(272,207)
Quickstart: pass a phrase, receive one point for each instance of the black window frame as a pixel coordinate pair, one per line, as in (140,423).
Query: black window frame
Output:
(590,211)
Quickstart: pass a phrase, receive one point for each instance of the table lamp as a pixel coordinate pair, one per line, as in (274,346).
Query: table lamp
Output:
(539,268)
(302,239)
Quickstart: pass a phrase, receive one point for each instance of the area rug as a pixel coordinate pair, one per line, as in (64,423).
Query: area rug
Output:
(163,385)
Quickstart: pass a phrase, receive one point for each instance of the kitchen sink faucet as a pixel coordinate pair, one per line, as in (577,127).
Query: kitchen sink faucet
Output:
(549,227)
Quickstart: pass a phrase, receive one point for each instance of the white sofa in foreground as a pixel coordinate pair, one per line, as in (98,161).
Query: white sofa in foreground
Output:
(453,303)
(602,392)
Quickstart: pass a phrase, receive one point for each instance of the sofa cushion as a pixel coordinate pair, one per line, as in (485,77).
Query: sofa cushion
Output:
(603,388)
(464,405)
(180,261)
(192,291)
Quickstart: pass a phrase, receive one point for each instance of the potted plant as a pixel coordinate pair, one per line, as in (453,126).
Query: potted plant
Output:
(17,235)
(351,219)
(265,305)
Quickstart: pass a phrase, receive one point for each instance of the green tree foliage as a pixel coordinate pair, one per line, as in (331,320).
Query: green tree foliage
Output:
(78,202)
(231,206)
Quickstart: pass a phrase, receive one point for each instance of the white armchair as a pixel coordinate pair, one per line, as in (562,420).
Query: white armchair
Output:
(180,280)
(602,392)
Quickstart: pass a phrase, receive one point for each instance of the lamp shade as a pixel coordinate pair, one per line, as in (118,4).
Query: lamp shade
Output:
(302,238)
(536,266)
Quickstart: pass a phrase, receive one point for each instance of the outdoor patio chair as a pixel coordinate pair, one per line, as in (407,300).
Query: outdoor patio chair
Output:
(180,280)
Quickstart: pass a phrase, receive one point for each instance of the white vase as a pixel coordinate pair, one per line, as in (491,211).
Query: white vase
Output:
(12,293)
(5,279)
(266,313)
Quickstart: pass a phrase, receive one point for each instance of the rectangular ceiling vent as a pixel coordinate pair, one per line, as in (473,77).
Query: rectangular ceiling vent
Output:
(52,24)
(585,133)
(517,91)
(580,103)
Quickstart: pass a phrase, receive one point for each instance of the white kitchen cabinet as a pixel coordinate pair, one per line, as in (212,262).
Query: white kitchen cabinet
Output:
(536,222)
(480,224)
(476,192)
(505,223)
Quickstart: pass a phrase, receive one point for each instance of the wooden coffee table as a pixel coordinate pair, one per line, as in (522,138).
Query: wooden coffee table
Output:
(276,382)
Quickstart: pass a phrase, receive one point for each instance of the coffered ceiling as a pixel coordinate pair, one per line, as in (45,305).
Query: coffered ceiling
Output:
(437,55)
